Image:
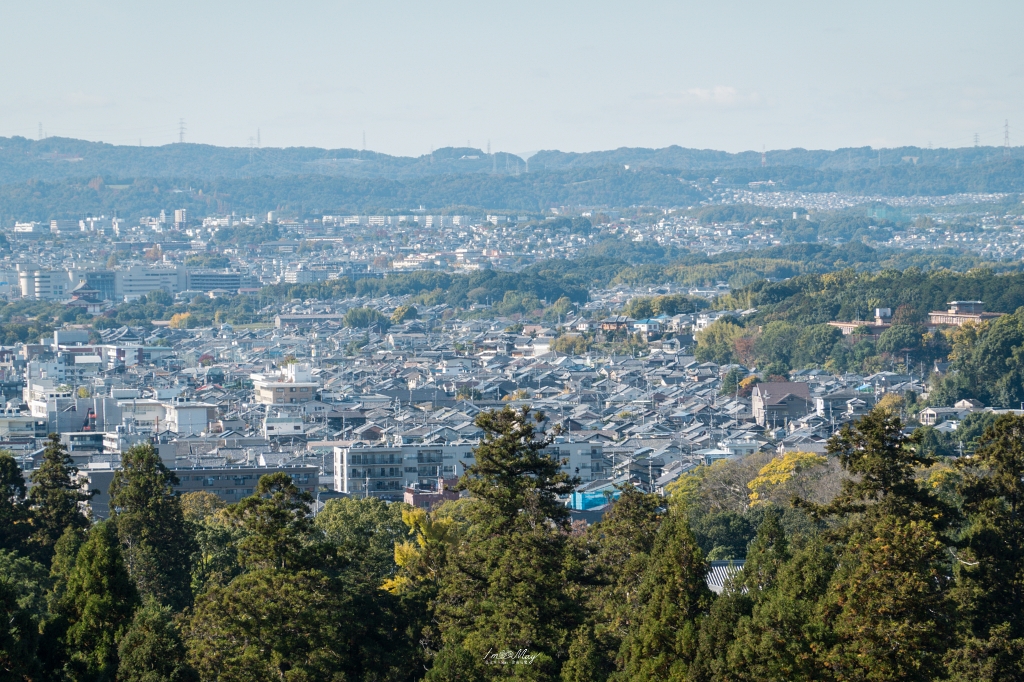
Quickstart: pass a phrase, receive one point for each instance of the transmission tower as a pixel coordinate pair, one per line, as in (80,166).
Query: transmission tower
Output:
(181,130)
(764,158)
(1006,139)
(976,139)
(40,130)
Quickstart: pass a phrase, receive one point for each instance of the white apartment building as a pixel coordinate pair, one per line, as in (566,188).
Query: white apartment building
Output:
(389,470)
(293,385)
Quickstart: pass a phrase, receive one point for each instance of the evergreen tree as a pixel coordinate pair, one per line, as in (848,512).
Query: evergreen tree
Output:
(275,526)
(617,550)
(882,462)
(155,541)
(98,604)
(14,519)
(53,651)
(781,638)
(508,582)
(54,499)
(274,624)
(990,562)
(365,530)
(887,612)
(151,650)
(768,553)
(674,598)
(22,609)
(888,606)
(585,662)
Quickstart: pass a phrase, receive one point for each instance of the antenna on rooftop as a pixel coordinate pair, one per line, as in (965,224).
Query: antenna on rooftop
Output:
(181,130)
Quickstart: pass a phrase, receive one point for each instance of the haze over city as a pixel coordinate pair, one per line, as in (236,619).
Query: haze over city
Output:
(525,76)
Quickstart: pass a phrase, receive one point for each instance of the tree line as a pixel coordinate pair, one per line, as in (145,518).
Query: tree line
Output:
(877,562)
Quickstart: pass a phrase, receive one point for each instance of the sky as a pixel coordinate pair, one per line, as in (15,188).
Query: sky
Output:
(523,76)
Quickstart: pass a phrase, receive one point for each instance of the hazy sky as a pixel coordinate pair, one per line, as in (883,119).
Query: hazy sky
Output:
(525,75)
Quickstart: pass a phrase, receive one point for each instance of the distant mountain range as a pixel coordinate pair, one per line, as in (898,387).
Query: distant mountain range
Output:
(59,177)
(59,158)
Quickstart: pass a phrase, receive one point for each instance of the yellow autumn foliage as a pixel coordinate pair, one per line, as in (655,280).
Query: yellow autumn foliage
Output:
(780,471)
(422,558)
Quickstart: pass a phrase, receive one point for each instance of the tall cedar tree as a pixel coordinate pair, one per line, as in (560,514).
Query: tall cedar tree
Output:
(674,598)
(888,607)
(990,566)
(781,637)
(22,610)
(54,499)
(508,581)
(155,542)
(14,518)
(98,605)
(617,550)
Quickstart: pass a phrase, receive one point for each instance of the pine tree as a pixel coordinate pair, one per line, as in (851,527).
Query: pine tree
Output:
(54,499)
(14,519)
(151,650)
(768,553)
(155,541)
(274,624)
(674,598)
(98,606)
(508,582)
(887,612)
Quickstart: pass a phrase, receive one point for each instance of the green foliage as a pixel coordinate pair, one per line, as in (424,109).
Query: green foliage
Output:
(363,318)
(155,542)
(14,513)
(507,585)
(98,605)
(715,343)
(365,531)
(673,599)
(54,498)
(151,650)
(23,609)
(272,624)
(276,530)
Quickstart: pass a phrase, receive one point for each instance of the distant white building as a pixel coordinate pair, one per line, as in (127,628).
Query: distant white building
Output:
(294,384)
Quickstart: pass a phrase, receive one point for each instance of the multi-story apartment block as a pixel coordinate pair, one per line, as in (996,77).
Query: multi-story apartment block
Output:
(386,471)
(294,384)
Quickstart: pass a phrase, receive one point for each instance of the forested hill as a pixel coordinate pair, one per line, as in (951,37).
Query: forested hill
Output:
(469,176)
